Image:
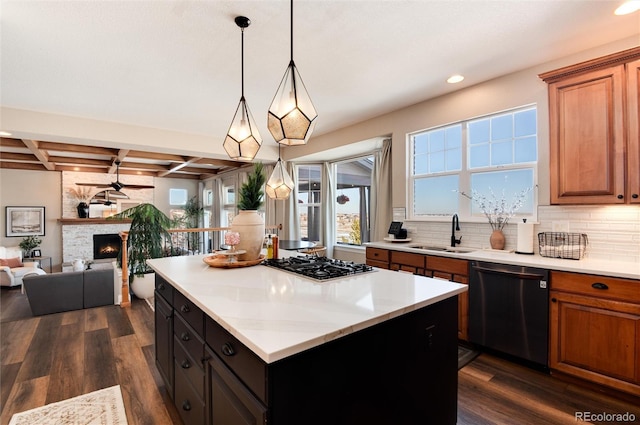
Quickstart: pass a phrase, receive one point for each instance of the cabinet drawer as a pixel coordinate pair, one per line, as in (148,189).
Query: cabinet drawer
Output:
(189,405)
(189,311)
(378,254)
(189,339)
(240,359)
(448,265)
(597,286)
(191,367)
(379,264)
(408,259)
(164,289)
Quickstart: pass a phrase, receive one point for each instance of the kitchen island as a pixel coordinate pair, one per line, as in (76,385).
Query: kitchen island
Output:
(259,345)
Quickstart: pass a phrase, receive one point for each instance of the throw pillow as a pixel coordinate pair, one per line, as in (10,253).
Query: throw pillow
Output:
(11,262)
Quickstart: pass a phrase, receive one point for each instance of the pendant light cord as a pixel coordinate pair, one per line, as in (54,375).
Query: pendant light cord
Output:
(291,30)
(242,59)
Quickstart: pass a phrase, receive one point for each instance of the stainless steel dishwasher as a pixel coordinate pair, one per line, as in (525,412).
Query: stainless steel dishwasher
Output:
(509,310)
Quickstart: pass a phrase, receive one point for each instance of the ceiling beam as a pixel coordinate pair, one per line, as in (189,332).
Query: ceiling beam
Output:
(67,147)
(42,155)
(157,156)
(14,156)
(11,143)
(22,166)
(80,161)
(220,162)
(177,167)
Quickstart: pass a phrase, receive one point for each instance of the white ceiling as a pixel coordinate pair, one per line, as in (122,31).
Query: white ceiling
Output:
(175,65)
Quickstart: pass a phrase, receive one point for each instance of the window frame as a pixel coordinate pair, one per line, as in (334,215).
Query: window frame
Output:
(464,183)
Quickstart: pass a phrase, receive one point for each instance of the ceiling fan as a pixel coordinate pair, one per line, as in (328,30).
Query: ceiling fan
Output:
(108,197)
(118,185)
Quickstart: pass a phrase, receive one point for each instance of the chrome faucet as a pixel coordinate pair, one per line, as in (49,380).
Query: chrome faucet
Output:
(455,225)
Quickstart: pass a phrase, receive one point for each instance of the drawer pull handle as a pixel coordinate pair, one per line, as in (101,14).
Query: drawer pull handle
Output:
(186,405)
(185,336)
(553,300)
(184,309)
(185,364)
(634,196)
(599,285)
(161,287)
(228,350)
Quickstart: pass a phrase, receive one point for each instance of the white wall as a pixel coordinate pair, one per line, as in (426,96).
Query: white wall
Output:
(33,189)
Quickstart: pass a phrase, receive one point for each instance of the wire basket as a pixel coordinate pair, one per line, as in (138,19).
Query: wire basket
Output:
(571,246)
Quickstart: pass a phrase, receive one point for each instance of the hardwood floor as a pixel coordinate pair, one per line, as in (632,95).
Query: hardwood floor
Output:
(50,358)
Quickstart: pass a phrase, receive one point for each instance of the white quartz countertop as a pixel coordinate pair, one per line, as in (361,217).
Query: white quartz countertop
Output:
(277,314)
(622,269)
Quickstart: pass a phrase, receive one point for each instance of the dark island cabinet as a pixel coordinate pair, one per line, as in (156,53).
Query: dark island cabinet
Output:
(402,370)
(164,337)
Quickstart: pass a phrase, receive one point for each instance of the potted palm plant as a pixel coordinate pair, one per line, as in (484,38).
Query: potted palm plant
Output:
(148,234)
(248,223)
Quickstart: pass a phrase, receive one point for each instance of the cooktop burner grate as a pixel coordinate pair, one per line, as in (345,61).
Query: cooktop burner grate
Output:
(318,268)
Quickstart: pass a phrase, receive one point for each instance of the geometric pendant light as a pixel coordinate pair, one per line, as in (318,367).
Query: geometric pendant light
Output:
(280,184)
(243,139)
(292,116)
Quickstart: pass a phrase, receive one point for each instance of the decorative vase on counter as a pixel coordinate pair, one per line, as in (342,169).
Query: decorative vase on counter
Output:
(497,239)
(83,210)
(250,226)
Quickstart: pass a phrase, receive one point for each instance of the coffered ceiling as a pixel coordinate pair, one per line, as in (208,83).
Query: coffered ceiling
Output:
(39,155)
(155,83)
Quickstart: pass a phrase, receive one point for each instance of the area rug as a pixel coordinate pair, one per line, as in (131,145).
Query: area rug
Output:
(465,356)
(104,407)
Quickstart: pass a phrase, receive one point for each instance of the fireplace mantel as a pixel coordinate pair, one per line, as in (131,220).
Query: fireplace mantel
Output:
(80,221)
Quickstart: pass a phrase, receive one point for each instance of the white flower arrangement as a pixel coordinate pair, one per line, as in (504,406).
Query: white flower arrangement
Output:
(497,210)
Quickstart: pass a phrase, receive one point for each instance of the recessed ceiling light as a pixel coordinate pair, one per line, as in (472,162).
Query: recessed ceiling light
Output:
(627,7)
(5,133)
(455,79)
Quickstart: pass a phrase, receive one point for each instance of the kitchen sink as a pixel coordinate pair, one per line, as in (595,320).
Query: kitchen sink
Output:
(444,248)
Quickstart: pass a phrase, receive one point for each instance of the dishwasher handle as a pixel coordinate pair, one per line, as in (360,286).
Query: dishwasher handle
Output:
(520,275)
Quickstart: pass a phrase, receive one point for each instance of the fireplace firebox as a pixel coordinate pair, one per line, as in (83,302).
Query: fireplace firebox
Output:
(106,246)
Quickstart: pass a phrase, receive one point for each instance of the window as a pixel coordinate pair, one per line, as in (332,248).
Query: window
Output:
(228,202)
(178,196)
(496,154)
(309,198)
(353,189)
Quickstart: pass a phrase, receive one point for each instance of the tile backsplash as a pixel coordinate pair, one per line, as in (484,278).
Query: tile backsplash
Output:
(613,230)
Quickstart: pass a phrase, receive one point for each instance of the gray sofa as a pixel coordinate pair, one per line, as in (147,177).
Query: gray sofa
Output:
(57,292)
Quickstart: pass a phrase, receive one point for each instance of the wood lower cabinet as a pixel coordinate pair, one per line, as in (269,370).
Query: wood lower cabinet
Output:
(593,131)
(377,257)
(595,329)
(454,270)
(407,262)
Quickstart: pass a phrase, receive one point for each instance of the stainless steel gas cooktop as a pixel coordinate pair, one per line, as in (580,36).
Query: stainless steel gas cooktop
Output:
(318,268)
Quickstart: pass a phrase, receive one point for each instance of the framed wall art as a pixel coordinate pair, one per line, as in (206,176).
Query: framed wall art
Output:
(24,221)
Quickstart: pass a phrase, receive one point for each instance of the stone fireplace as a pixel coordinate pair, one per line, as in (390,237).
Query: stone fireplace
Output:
(106,246)
(77,239)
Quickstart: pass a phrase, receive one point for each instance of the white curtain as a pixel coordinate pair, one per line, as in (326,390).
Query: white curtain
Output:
(328,230)
(381,213)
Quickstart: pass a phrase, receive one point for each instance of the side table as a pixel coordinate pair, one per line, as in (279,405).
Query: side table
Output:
(40,260)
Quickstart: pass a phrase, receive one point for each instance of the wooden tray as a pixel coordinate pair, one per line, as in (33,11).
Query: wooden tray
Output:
(222,261)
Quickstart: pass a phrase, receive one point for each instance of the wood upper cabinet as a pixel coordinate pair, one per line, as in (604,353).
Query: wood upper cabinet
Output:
(593,131)
(595,329)
(633,142)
